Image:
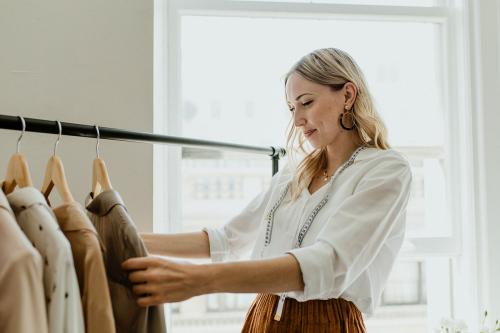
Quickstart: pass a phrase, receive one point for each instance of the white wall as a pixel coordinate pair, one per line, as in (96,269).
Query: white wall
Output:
(88,62)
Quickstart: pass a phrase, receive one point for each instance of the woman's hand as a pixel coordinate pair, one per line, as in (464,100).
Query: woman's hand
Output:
(158,280)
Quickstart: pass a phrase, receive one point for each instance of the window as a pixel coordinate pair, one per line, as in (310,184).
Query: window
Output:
(226,61)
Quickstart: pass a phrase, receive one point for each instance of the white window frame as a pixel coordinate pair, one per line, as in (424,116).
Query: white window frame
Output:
(459,168)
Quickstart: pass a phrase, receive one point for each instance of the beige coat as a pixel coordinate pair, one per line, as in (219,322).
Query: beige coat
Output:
(89,265)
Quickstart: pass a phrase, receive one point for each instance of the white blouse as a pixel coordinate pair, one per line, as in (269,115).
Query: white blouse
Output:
(353,241)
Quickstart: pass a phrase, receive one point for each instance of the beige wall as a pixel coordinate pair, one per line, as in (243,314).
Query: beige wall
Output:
(89,62)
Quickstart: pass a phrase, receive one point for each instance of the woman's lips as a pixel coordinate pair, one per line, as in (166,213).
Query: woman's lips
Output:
(309,133)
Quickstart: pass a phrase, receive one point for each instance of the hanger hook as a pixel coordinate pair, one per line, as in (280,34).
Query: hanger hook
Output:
(22,133)
(98,137)
(59,137)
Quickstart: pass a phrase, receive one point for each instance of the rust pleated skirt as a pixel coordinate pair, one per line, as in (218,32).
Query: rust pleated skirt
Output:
(315,316)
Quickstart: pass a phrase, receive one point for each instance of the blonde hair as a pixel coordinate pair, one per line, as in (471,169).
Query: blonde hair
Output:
(333,67)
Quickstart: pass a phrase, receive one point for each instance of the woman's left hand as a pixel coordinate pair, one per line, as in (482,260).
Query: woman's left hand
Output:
(158,280)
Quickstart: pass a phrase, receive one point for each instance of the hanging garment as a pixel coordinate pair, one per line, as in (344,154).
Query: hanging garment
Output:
(89,265)
(119,235)
(62,295)
(22,304)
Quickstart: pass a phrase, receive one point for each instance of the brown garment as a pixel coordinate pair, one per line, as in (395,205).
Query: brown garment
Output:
(121,240)
(89,266)
(22,301)
(315,316)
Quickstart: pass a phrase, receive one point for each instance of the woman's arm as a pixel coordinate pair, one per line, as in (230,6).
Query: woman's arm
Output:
(256,276)
(184,245)
(158,280)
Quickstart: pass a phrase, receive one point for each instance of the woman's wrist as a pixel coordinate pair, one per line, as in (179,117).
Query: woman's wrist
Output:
(208,278)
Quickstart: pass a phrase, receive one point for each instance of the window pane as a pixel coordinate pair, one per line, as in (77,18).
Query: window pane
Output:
(410,302)
(404,302)
(232,71)
(405,285)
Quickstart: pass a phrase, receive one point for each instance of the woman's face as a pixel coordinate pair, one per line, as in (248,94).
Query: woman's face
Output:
(316,108)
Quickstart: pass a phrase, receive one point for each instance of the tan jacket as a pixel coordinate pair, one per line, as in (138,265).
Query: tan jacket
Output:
(22,302)
(119,235)
(89,265)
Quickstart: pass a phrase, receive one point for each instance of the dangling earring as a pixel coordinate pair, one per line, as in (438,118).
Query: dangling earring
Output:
(341,120)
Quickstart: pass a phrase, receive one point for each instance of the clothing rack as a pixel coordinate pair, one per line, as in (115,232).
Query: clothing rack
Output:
(108,133)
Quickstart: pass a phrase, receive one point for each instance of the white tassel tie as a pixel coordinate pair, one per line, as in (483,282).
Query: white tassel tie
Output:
(279,309)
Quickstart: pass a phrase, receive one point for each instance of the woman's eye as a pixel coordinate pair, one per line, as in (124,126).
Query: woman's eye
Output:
(307,103)
(291,109)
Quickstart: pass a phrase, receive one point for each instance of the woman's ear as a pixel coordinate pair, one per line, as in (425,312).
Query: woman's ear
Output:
(350,93)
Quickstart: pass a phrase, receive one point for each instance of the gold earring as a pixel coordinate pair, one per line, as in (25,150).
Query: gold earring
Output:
(341,120)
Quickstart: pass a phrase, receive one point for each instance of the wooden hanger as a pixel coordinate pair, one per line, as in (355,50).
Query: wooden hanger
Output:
(55,176)
(18,173)
(100,177)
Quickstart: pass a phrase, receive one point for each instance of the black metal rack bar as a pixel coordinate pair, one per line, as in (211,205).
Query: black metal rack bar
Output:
(108,133)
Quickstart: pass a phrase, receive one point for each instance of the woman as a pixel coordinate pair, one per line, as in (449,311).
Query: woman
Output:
(326,232)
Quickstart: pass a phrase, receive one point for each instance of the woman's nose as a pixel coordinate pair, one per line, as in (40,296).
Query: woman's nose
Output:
(298,119)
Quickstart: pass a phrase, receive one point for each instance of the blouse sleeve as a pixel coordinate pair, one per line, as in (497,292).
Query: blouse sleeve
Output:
(356,232)
(236,237)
